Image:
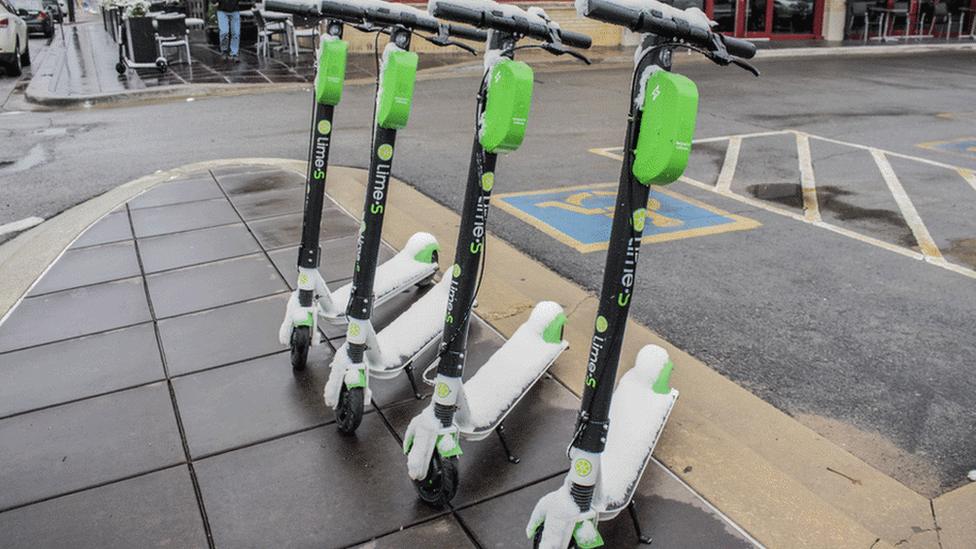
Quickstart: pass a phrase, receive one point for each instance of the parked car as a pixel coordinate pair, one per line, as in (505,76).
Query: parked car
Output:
(53,8)
(36,17)
(14,47)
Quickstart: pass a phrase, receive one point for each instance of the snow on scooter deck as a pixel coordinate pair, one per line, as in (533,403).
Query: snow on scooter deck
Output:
(639,411)
(408,336)
(511,371)
(409,266)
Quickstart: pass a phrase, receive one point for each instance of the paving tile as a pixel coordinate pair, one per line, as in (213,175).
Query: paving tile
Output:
(223,335)
(270,203)
(72,313)
(90,266)
(440,532)
(154,510)
(251,181)
(245,403)
(176,192)
(111,228)
(183,217)
(484,469)
(317,488)
(286,230)
(70,447)
(669,512)
(338,258)
(213,284)
(170,251)
(77,368)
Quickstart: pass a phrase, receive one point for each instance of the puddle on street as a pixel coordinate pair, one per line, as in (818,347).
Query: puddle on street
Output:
(787,194)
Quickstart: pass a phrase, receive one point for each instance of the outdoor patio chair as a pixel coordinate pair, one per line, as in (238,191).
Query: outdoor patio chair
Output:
(860,18)
(171,32)
(904,18)
(267,32)
(942,17)
(303,28)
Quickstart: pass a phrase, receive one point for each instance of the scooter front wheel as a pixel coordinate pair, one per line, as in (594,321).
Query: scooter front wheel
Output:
(301,340)
(537,539)
(441,483)
(120,67)
(349,412)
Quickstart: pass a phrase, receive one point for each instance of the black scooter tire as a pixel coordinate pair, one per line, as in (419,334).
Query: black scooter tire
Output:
(440,485)
(301,340)
(349,412)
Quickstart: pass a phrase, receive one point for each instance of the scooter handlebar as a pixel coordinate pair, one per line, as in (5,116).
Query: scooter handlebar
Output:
(373,11)
(664,20)
(505,18)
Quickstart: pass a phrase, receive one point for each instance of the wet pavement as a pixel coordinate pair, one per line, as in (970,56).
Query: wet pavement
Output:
(145,400)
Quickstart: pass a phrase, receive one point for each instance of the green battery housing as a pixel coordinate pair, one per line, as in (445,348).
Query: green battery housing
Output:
(331,72)
(667,128)
(396,89)
(507,108)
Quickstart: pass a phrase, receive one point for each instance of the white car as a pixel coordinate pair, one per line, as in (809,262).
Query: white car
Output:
(14,47)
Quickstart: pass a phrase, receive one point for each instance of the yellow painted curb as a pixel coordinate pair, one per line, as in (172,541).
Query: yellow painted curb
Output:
(784,483)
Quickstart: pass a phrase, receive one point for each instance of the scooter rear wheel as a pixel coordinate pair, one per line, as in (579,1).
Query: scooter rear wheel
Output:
(441,483)
(301,340)
(349,412)
(120,67)
(537,539)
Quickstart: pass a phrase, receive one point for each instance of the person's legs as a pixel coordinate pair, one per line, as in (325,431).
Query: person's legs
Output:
(223,25)
(235,32)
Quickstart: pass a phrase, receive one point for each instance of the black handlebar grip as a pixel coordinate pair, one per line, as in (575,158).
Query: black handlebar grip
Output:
(739,48)
(292,6)
(613,13)
(339,10)
(468,33)
(459,13)
(575,39)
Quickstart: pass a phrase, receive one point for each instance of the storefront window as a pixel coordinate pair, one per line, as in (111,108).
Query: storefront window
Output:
(793,16)
(723,13)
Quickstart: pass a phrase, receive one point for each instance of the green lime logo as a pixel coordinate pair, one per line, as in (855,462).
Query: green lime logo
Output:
(639,215)
(583,467)
(325,127)
(487,181)
(362,226)
(456,270)
(601,324)
(353,330)
(303,279)
(385,151)
(443,390)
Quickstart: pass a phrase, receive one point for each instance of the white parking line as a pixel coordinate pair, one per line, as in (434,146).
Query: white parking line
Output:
(908,211)
(21,225)
(969,176)
(725,177)
(811,208)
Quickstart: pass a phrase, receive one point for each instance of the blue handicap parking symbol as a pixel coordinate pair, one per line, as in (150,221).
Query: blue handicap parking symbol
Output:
(581,216)
(965,146)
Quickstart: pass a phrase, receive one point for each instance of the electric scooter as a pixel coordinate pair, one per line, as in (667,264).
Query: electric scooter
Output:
(367,354)
(617,430)
(416,263)
(473,409)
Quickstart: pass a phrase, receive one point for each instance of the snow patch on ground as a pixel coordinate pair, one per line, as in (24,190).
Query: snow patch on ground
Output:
(637,416)
(511,369)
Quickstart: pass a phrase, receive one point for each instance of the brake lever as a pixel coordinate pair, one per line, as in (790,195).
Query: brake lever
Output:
(560,50)
(442,42)
(746,66)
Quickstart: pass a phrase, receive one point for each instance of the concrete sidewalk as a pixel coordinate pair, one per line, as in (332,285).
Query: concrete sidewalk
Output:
(144,398)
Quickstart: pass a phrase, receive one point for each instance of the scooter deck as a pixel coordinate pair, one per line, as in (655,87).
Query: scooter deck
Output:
(392,277)
(512,370)
(638,415)
(409,335)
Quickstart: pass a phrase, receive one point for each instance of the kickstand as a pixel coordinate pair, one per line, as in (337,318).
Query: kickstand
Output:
(500,431)
(632,510)
(413,383)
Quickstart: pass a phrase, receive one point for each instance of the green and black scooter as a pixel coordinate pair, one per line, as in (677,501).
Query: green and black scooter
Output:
(617,430)
(367,354)
(473,409)
(416,263)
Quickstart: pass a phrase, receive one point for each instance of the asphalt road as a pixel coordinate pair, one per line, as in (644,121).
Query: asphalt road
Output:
(869,347)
